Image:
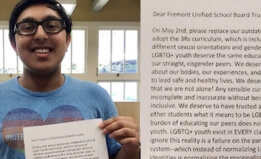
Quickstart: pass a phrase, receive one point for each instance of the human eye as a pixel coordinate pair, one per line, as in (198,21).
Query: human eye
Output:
(27,27)
(52,25)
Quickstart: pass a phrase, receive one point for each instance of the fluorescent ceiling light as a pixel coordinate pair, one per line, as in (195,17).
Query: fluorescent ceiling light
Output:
(98,4)
(68,5)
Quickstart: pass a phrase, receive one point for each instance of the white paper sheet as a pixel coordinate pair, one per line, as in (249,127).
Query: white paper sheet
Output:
(80,139)
(200,79)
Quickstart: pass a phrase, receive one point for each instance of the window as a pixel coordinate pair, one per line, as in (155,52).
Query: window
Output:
(121,91)
(73,63)
(9,62)
(118,51)
(74,60)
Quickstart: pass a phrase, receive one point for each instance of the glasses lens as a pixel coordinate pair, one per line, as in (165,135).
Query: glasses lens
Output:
(52,26)
(27,28)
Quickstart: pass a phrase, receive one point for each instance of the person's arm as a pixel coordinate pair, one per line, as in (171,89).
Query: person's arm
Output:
(125,131)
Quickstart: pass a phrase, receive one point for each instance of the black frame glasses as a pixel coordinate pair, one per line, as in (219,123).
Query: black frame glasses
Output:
(51,26)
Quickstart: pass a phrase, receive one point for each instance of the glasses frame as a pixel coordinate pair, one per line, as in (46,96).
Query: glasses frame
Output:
(62,22)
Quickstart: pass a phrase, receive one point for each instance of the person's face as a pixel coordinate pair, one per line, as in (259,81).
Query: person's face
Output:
(41,52)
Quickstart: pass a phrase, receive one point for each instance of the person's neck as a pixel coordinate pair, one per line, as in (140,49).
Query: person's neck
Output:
(41,83)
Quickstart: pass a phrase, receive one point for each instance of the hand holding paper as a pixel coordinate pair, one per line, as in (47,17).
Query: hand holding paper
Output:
(73,140)
(126,132)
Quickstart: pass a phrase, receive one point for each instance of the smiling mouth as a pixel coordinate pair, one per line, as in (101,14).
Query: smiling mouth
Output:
(41,51)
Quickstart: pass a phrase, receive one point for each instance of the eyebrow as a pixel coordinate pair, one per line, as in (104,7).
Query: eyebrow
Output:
(31,19)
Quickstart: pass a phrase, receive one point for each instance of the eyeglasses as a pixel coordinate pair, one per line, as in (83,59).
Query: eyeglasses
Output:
(30,27)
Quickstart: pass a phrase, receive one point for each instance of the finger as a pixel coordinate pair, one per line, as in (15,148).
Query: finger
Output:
(129,139)
(119,125)
(114,119)
(116,123)
(124,133)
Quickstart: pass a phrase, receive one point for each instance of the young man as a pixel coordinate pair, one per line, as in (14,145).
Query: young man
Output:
(39,32)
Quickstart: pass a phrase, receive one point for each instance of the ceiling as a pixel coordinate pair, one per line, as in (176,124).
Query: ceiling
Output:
(114,10)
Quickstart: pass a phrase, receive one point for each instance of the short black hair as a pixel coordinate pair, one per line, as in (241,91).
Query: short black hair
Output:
(23,4)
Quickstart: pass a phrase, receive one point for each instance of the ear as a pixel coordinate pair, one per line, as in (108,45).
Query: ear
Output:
(13,44)
(68,40)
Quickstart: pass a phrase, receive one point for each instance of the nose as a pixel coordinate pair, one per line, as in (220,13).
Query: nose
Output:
(40,33)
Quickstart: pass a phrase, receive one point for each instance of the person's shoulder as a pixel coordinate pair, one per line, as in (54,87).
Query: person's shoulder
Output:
(82,83)
(8,83)
(73,80)
(88,87)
